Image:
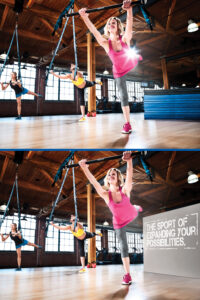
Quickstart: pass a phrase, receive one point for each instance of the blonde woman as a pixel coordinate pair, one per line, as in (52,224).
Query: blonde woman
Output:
(16,85)
(117,197)
(16,236)
(116,46)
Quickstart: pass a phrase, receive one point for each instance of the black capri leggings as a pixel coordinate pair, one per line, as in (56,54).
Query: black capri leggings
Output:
(81,92)
(81,243)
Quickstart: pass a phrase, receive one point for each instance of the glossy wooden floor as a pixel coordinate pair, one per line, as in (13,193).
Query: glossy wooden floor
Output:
(102,132)
(102,283)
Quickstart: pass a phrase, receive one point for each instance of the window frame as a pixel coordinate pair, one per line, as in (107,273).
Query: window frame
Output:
(59,240)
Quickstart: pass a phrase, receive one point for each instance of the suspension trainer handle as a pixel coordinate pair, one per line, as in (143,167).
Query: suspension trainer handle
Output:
(103,159)
(102,8)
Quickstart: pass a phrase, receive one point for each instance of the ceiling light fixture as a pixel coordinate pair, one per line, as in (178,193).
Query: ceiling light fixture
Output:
(192,177)
(106,72)
(3,207)
(3,55)
(192,27)
(105,223)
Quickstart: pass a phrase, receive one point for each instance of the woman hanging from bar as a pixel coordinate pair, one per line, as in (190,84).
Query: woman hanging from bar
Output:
(81,85)
(16,236)
(16,85)
(116,194)
(80,235)
(117,47)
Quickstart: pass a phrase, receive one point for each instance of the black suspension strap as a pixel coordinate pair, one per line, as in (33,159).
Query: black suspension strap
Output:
(63,15)
(7,206)
(15,33)
(147,171)
(57,48)
(59,24)
(56,201)
(7,55)
(75,199)
(18,53)
(75,47)
(18,202)
(146,16)
(63,166)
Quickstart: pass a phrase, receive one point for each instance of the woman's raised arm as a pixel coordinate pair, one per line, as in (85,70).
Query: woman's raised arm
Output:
(102,193)
(100,39)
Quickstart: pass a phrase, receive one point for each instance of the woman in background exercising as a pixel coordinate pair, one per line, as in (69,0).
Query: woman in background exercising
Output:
(80,235)
(16,85)
(81,85)
(16,236)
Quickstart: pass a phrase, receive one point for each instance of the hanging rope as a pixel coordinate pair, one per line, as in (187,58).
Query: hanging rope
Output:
(18,53)
(63,166)
(75,199)
(15,186)
(18,202)
(62,15)
(146,16)
(75,46)
(55,52)
(146,169)
(7,55)
(15,33)
(7,206)
(67,161)
(68,9)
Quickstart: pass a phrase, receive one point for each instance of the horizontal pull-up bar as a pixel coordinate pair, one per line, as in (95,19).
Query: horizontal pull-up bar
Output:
(102,8)
(89,162)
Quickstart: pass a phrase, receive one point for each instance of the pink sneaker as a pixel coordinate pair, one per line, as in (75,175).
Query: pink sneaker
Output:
(127,279)
(127,128)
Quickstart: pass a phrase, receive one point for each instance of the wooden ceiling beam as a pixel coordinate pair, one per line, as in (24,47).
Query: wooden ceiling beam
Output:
(4,16)
(4,167)
(30,35)
(152,40)
(30,154)
(37,9)
(51,28)
(51,180)
(170,13)
(29,186)
(30,3)
(170,166)
(146,32)
(152,191)
(40,162)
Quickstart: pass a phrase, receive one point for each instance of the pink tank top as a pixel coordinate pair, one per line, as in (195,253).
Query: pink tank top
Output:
(122,64)
(123,212)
